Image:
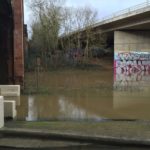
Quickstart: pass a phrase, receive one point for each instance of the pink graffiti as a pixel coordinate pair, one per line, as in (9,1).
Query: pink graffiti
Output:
(131,66)
(136,81)
(131,62)
(131,69)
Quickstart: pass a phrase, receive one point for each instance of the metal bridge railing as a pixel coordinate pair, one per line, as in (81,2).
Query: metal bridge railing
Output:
(127,11)
(118,15)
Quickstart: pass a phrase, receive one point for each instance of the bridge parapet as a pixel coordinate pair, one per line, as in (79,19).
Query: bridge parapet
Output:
(119,20)
(140,8)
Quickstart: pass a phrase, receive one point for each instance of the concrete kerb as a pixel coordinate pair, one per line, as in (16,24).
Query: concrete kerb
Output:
(1,111)
(98,140)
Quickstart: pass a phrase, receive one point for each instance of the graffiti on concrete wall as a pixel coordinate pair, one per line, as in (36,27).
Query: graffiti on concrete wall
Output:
(131,69)
(132,62)
(131,82)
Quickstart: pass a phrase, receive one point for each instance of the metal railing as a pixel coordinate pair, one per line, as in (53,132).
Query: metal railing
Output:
(117,15)
(127,11)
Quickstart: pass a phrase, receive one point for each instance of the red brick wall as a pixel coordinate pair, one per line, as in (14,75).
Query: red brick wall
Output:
(18,42)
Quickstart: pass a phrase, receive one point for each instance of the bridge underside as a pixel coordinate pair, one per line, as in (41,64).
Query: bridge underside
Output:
(6,43)
(140,21)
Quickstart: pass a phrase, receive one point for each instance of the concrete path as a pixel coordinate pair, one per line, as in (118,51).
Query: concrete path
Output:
(76,135)
(27,138)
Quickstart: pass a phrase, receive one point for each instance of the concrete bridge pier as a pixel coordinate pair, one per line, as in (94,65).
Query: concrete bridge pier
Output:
(131,51)
(131,63)
(132,41)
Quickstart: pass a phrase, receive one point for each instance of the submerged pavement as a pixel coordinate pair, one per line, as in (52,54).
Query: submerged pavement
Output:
(65,134)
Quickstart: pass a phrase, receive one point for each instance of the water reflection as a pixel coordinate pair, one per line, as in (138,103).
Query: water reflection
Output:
(131,89)
(32,109)
(92,94)
(71,111)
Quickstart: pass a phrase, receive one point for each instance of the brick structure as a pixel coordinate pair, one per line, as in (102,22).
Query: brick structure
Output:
(18,41)
(11,42)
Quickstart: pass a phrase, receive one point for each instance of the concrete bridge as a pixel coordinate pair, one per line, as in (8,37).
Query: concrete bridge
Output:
(11,42)
(131,36)
(133,18)
(129,31)
(134,21)
(130,27)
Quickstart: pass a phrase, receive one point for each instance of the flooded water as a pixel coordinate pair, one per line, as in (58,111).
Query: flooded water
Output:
(93,94)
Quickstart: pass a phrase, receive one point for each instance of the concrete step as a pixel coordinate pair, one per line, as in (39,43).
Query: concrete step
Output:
(10,109)
(1,111)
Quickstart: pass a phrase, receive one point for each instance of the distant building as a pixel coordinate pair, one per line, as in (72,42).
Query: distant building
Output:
(11,42)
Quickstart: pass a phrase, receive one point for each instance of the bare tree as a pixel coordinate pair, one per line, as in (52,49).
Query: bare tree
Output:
(46,26)
(89,18)
(78,25)
(67,26)
(84,18)
(52,19)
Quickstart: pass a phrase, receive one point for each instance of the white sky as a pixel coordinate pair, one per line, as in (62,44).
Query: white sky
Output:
(104,7)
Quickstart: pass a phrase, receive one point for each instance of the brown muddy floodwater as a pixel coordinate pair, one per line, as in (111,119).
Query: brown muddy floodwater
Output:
(87,94)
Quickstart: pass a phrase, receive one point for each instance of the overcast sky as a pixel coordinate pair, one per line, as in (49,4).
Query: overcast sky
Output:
(104,7)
